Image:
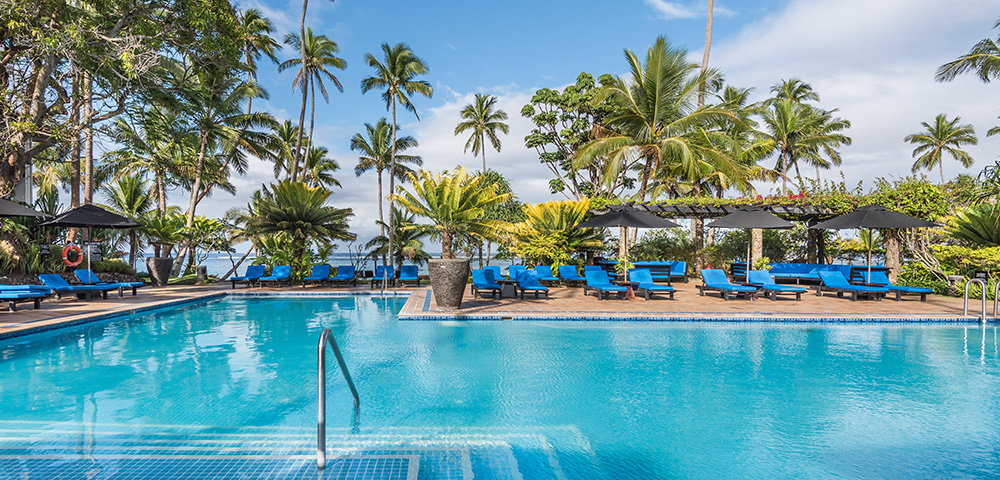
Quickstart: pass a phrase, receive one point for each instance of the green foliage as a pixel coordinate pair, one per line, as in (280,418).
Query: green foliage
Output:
(163,230)
(548,234)
(915,274)
(912,195)
(663,244)
(762,263)
(977,226)
(112,266)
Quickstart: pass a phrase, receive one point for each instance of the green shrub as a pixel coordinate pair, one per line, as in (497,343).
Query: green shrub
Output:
(111,266)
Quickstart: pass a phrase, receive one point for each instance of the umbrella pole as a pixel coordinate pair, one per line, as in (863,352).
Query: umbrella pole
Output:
(89,242)
(625,265)
(749,253)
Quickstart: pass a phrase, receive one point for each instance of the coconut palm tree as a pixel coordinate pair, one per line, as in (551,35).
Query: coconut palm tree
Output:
(376,154)
(318,168)
(793,89)
(318,58)
(255,31)
(298,212)
(455,203)
(409,241)
(396,75)
(480,117)
(983,60)
(708,48)
(794,131)
(129,196)
(940,138)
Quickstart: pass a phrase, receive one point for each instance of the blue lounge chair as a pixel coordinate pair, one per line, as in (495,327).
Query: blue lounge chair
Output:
(14,294)
(599,282)
(345,275)
(382,272)
(320,274)
(409,273)
(279,274)
(88,277)
(60,287)
(678,270)
(569,275)
(253,274)
(835,281)
(764,281)
(496,271)
(527,281)
(716,280)
(879,277)
(545,274)
(646,286)
(484,281)
(514,270)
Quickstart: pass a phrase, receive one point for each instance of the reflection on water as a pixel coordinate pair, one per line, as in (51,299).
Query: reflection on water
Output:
(649,400)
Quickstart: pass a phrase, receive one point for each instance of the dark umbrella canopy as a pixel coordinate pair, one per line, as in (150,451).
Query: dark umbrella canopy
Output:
(873,216)
(627,218)
(11,209)
(751,218)
(91,216)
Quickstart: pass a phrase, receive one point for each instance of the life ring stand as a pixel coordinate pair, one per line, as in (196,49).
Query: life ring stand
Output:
(71,247)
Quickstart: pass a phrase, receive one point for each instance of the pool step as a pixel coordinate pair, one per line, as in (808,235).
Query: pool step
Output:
(403,453)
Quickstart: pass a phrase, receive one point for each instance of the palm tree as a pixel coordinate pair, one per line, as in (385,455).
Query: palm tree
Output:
(409,244)
(283,137)
(376,154)
(708,48)
(256,30)
(657,124)
(484,122)
(983,60)
(794,90)
(455,203)
(317,58)
(213,102)
(298,212)
(397,76)
(129,196)
(795,131)
(941,138)
(318,168)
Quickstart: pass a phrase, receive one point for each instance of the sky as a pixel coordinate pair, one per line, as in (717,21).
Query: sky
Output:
(874,61)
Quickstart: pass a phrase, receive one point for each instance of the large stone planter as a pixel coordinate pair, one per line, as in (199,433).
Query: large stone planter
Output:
(159,269)
(448,280)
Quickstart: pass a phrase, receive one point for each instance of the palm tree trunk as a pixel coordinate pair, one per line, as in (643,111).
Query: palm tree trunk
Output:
(784,174)
(240,262)
(484,171)
(941,169)
(798,175)
(133,239)
(312,117)
(392,189)
(88,141)
(381,218)
(302,120)
(817,175)
(446,241)
(708,48)
(202,151)
(161,191)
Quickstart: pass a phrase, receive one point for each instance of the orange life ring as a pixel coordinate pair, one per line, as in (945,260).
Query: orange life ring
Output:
(79,255)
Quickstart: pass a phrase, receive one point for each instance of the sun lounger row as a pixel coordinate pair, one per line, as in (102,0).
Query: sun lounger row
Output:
(525,281)
(346,275)
(89,288)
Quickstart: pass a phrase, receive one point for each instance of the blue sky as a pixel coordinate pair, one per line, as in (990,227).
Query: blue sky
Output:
(873,60)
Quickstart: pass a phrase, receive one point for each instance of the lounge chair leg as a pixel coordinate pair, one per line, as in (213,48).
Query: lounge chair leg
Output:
(38,303)
(923,297)
(12,306)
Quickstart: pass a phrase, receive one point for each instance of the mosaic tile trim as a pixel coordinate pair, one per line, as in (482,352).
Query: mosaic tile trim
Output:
(319,294)
(583,317)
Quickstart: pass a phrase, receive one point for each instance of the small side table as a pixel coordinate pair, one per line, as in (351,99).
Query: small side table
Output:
(508,288)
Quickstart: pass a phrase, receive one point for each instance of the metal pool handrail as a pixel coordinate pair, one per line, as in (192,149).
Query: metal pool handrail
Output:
(969,284)
(996,297)
(326,337)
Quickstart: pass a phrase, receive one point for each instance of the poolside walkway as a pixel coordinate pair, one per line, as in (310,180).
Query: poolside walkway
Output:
(564,304)
(570,304)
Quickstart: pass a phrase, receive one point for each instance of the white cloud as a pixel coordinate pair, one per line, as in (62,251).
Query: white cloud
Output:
(875,61)
(671,10)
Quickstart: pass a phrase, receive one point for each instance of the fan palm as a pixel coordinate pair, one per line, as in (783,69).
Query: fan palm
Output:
(455,203)
(940,138)
(397,76)
(318,57)
(480,117)
(376,154)
(300,213)
(255,31)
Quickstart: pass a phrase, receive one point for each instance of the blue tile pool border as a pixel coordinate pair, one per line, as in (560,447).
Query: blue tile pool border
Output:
(805,319)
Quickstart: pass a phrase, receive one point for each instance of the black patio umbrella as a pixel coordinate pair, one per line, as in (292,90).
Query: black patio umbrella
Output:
(750,217)
(625,217)
(873,216)
(91,216)
(11,209)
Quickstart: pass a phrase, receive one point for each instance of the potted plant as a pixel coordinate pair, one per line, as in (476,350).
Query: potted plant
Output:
(164,230)
(455,204)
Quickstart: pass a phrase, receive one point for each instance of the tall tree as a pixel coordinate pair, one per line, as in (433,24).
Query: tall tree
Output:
(376,154)
(983,61)
(708,48)
(943,137)
(396,74)
(319,58)
(795,131)
(255,30)
(129,196)
(484,122)
(794,90)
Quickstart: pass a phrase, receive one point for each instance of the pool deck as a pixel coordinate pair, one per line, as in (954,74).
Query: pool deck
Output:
(567,304)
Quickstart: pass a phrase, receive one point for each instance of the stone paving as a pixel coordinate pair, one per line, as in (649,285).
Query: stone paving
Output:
(565,303)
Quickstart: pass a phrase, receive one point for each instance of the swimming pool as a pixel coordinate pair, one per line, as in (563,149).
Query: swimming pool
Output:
(228,388)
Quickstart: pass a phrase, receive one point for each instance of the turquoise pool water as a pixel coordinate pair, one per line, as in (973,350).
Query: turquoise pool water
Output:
(529,400)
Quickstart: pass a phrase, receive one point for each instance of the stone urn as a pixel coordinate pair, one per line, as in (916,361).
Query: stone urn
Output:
(449,278)
(159,269)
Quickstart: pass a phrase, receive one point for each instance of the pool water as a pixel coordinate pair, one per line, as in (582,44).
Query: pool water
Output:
(234,380)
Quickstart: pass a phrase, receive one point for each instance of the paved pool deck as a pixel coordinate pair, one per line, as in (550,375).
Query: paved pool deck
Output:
(564,304)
